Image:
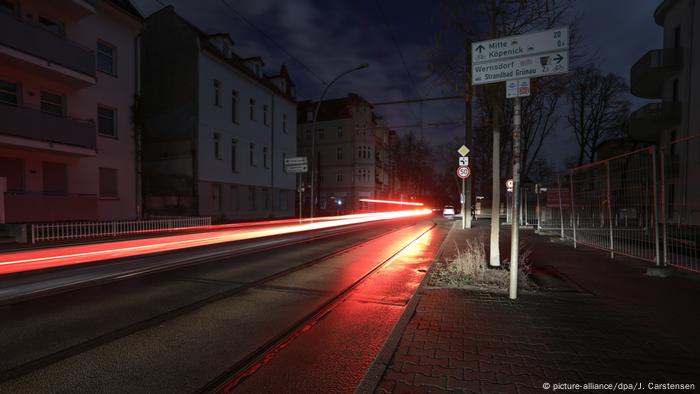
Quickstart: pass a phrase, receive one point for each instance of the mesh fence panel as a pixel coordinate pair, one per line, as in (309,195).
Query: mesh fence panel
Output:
(680,219)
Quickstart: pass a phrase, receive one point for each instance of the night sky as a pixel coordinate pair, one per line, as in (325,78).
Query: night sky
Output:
(329,37)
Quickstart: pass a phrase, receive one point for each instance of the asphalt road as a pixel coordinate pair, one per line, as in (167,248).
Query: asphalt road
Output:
(181,330)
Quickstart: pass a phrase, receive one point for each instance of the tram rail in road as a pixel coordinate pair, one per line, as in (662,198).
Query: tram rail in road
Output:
(75,349)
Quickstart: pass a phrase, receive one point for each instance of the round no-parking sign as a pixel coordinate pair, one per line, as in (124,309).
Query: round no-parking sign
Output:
(464,172)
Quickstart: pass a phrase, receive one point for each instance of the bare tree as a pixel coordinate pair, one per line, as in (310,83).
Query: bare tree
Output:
(598,109)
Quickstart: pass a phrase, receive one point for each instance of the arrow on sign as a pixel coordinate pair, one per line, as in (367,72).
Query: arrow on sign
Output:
(558,58)
(480,48)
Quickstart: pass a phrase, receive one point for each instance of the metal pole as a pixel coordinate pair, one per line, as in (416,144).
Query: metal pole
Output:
(663,206)
(468,126)
(607,176)
(539,210)
(573,211)
(561,212)
(464,203)
(299,190)
(656,207)
(514,240)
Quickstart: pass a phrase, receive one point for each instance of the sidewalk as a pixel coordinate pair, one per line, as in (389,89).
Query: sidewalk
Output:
(609,324)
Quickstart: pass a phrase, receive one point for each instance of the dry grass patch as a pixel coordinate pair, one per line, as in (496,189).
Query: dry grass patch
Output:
(469,269)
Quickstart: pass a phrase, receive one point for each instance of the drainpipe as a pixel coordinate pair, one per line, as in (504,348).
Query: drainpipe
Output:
(271,195)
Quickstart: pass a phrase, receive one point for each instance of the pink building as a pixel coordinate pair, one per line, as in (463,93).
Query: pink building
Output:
(68,82)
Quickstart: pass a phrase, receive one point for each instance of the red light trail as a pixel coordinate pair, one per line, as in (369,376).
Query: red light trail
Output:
(416,204)
(79,254)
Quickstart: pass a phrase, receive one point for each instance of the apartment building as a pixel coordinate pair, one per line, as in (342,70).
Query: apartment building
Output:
(671,75)
(353,158)
(68,78)
(216,127)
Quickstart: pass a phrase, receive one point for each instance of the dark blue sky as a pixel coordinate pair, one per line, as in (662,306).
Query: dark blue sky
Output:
(332,36)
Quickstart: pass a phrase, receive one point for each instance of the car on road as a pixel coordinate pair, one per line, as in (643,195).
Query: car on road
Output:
(448,211)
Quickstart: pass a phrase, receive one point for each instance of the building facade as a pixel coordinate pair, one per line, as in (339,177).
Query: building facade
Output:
(68,78)
(353,154)
(672,76)
(216,129)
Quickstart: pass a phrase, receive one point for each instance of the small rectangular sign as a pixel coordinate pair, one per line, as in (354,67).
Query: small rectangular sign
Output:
(464,161)
(521,45)
(520,68)
(295,160)
(297,168)
(553,198)
(518,88)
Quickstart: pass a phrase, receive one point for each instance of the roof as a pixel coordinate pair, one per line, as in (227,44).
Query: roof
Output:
(128,6)
(235,61)
(338,108)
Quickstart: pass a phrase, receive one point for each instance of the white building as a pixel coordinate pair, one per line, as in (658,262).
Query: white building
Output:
(68,78)
(217,128)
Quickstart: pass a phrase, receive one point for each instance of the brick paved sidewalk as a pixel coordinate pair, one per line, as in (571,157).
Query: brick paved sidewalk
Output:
(613,325)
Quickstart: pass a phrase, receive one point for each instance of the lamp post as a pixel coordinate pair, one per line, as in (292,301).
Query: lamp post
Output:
(313,134)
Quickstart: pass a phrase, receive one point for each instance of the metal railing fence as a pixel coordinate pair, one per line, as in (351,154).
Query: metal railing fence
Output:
(643,204)
(83,230)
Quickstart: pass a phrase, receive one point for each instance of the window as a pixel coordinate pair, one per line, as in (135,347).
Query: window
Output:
(284,158)
(52,103)
(284,123)
(234,106)
(265,115)
(675,91)
(216,197)
(234,156)
(252,109)
(106,121)
(339,154)
(320,134)
(677,37)
(217,146)
(233,195)
(252,151)
(340,131)
(309,116)
(9,93)
(321,179)
(283,200)
(308,134)
(52,26)
(339,177)
(217,93)
(251,198)
(266,198)
(12,169)
(108,183)
(265,157)
(363,175)
(106,58)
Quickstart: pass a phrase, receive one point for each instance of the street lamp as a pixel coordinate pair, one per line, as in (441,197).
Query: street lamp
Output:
(313,133)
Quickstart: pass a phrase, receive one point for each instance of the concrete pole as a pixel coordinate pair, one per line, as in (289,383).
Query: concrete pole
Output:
(495,256)
(514,235)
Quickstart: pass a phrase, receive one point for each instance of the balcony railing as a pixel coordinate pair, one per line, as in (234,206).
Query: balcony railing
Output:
(648,121)
(40,207)
(33,124)
(648,75)
(31,39)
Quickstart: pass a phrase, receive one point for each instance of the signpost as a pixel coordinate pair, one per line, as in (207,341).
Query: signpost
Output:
(516,59)
(463,171)
(297,165)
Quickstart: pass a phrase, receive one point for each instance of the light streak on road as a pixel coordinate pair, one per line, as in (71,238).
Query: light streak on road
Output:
(79,254)
(415,204)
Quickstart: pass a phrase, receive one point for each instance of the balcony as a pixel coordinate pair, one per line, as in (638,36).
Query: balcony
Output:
(27,46)
(77,8)
(648,75)
(33,129)
(39,207)
(649,121)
